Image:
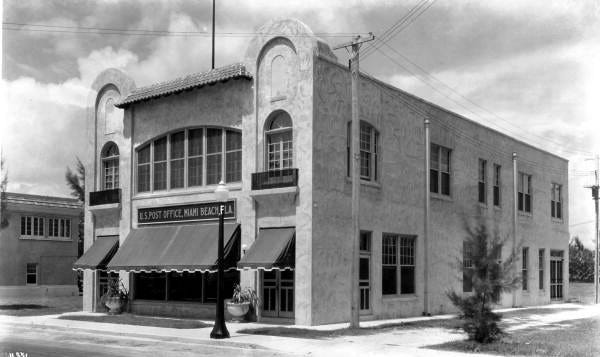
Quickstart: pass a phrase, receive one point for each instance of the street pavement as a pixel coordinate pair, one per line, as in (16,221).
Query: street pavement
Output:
(50,336)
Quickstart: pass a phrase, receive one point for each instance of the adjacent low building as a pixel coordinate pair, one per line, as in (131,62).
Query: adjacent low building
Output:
(38,245)
(275,128)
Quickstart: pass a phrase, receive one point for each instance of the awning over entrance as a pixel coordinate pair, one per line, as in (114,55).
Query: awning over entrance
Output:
(274,249)
(99,254)
(177,248)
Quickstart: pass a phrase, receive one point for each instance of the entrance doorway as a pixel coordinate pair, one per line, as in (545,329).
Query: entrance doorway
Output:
(364,273)
(556,274)
(278,293)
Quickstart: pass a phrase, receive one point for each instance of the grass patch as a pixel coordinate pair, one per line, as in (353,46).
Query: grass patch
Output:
(138,320)
(297,332)
(567,338)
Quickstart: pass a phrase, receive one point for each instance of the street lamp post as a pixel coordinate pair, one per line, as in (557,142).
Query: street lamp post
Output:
(220,330)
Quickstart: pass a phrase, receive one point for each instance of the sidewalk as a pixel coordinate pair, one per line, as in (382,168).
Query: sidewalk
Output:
(405,341)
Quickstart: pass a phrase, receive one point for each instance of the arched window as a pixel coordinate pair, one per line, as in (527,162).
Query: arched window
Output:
(279,138)
(110,166)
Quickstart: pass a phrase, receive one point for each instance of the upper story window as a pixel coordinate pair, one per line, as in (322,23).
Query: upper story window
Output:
(497,171)
(524,189)
(190,158)
(482,183)
(369,151)
(279,139)
(439,170)
(32,226)
(110,166)
(556,201)
(59,227)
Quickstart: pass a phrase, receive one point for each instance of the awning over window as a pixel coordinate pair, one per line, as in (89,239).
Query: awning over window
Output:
(274,249)
(100,253)
(177,248)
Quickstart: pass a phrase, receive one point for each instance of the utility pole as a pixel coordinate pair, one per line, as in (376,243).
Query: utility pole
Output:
(595,189)
(213,36)
(355,155)
(514,224)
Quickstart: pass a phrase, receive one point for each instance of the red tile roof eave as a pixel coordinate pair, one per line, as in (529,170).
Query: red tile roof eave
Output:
(181,90)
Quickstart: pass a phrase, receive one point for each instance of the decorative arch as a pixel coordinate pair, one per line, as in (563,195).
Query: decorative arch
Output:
(279,141)
(109,117)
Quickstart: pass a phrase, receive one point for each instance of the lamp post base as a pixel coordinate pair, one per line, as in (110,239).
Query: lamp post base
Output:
(219,332)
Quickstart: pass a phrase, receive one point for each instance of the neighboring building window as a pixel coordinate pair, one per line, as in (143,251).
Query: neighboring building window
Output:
(369,151)
(525,273)
(59,227)
(467,267)
(524,188)
(110,166)
(31,277)
(497,171)
(279,137)
(541,269)
(439,170)
(398,264)
(556,201)
(32,226)
(202,156)
(482,185)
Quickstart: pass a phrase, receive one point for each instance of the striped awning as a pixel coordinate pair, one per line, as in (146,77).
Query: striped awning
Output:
(99,254)
(177,248)
(275,248)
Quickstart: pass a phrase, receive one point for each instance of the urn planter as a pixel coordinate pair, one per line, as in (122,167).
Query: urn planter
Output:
(238,310)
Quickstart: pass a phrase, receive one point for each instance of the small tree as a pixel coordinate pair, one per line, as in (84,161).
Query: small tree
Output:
(490,276)
(581,262)
(76,182)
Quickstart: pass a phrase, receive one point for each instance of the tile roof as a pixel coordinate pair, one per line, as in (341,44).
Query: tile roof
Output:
(38,200)
(191,81)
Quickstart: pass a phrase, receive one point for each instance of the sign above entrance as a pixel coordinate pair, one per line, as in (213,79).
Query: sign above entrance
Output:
(185,213)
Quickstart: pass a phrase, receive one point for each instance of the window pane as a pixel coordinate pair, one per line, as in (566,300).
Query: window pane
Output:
(160,149)
(150,286)
(185,286)
(365,165)
(434,160)
(282,120)
(23,226)
(144,155)
(160,176)
(195,171)
(407,280)
(233,170)
(496,196)
(433,181)
(388,280)
(481,192)
(67,228)
(233,141)
(445,184)
(177,173)
(213,169)
(195,142)
(213,141)
(365,137)
(177,145)
(445,160)
(143,178)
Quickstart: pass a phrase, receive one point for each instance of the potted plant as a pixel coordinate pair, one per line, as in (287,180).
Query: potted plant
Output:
(240,302)
(115,297)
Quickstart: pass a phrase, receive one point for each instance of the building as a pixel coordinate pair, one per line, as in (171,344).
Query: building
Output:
(275,129)
(38,245)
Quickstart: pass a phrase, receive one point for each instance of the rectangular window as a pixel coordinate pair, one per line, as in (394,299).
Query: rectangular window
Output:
(439,170)
(233,150)
(368,151)
(59,227)
(365,241)
(143,169)
(159,164)
(525,274)
(524,192)
(497,172)
(32,226)
(467,267)
(195,150)
(214,149)
(541,269)
(177,162)
(32,269)
(482,182)
(398,264)
(556,201)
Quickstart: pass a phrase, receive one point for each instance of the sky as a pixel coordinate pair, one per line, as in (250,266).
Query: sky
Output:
(528,68)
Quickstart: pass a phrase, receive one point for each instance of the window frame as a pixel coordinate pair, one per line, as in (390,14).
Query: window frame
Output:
(372,152)
(467,267)
(436,174)
(482,181)
(28,224)
(556,203)
(270,132)
(399,248)
(111,164)
(497,186)
(525,194)
(28,273)
(525,268)
(541,267)
(202,156)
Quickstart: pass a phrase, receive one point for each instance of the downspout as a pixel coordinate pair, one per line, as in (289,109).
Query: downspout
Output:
(514,224)
(426,307)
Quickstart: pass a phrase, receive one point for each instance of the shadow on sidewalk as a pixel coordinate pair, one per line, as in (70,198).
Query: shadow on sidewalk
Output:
(130,319)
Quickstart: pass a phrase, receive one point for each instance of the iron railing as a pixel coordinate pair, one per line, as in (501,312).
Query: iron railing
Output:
(274,179)
(105,197)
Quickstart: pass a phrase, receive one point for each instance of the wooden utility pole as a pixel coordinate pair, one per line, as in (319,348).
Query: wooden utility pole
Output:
(355,162)
(514,224)
(213,36)
(595,188)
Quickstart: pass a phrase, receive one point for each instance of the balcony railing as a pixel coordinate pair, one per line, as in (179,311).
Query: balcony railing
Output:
(105,197)
(274,179)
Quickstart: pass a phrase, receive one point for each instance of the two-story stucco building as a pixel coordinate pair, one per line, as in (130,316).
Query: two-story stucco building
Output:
(275,128)
(38,245)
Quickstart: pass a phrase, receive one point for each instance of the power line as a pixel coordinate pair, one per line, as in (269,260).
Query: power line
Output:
(581,223)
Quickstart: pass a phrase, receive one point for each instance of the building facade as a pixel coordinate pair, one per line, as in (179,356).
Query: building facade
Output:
(38,245)
(275,128)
